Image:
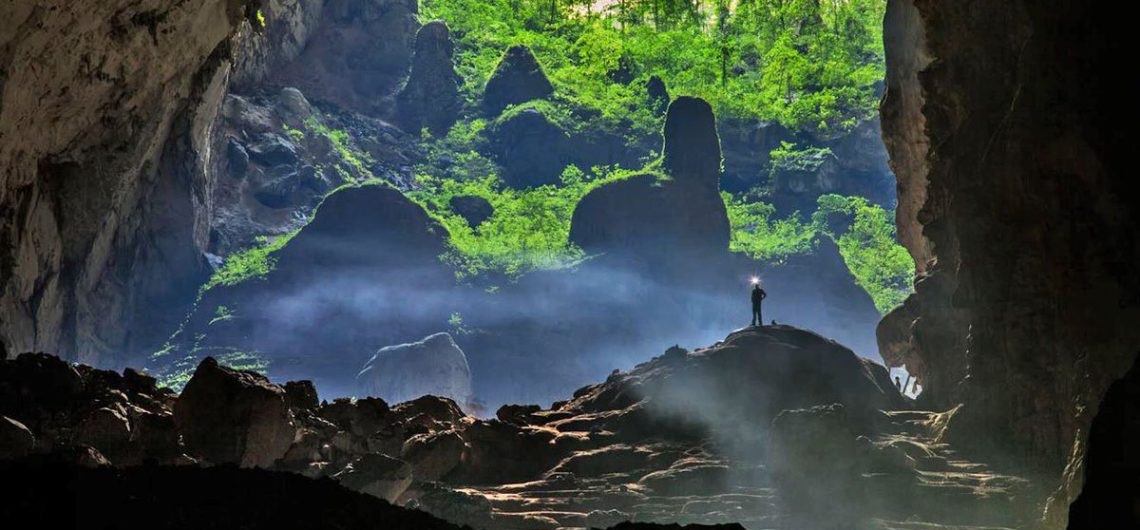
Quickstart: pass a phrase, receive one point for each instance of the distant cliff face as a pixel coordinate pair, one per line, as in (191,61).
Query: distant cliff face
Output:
(105,109)
(1006,125)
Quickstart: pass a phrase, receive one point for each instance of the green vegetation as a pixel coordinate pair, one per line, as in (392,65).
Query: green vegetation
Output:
(804,63)
(221,314)
(864,233)
(787,158)
(868,244)
(811,66)
(251,263)
(180,371)
(757,234)
(342,143)
(529,229)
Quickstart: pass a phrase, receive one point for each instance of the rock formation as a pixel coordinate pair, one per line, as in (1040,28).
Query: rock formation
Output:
(1006,135)
(734,432)
(531,149)
(518,78)
(1108,498)
(371,241)
(682,215)
(104,119)
(472,209)
(430,98)
(434,365)
(657,94)
(283,154)
(691,154)
(366,46)
(234,417)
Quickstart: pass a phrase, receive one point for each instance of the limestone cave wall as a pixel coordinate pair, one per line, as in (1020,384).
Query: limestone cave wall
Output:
(1005,121)
(105,108)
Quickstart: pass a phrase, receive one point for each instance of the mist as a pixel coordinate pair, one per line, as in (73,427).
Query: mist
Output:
(531,340)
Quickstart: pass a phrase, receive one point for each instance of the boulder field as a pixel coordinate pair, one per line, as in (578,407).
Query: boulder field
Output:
(748,430)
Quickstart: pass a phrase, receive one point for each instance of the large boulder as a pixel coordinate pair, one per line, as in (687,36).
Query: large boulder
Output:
(431,96)
(433,455)
(529,147)
(471,208)
(233,416)
(518,78)
(272,150)
(106,429)
(434,365)
(377,475)
(16,440)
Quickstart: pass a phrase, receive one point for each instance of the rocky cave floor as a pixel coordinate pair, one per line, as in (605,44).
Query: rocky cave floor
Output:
(773,427)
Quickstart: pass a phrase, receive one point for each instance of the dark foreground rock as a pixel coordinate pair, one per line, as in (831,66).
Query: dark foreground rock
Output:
(231,416)
(57,495)
(742,431)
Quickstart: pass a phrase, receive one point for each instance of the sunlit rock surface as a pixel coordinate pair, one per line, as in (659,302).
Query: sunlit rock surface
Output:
(434,365)
(742,431)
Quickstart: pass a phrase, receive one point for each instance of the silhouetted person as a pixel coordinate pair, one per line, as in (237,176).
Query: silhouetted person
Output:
(898,383)
(758,296)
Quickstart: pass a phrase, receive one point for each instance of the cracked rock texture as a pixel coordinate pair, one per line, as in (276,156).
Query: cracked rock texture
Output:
(1004,124)
(105,110)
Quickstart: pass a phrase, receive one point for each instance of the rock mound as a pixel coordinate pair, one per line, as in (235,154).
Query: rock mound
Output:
(432,366)
(748,379)
(662,220)
(518,78)
(366,226)
(529,147)
(370,241)
(51,404)
(431,96)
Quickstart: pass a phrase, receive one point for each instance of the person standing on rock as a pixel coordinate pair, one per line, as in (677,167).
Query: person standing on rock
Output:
(758,296)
